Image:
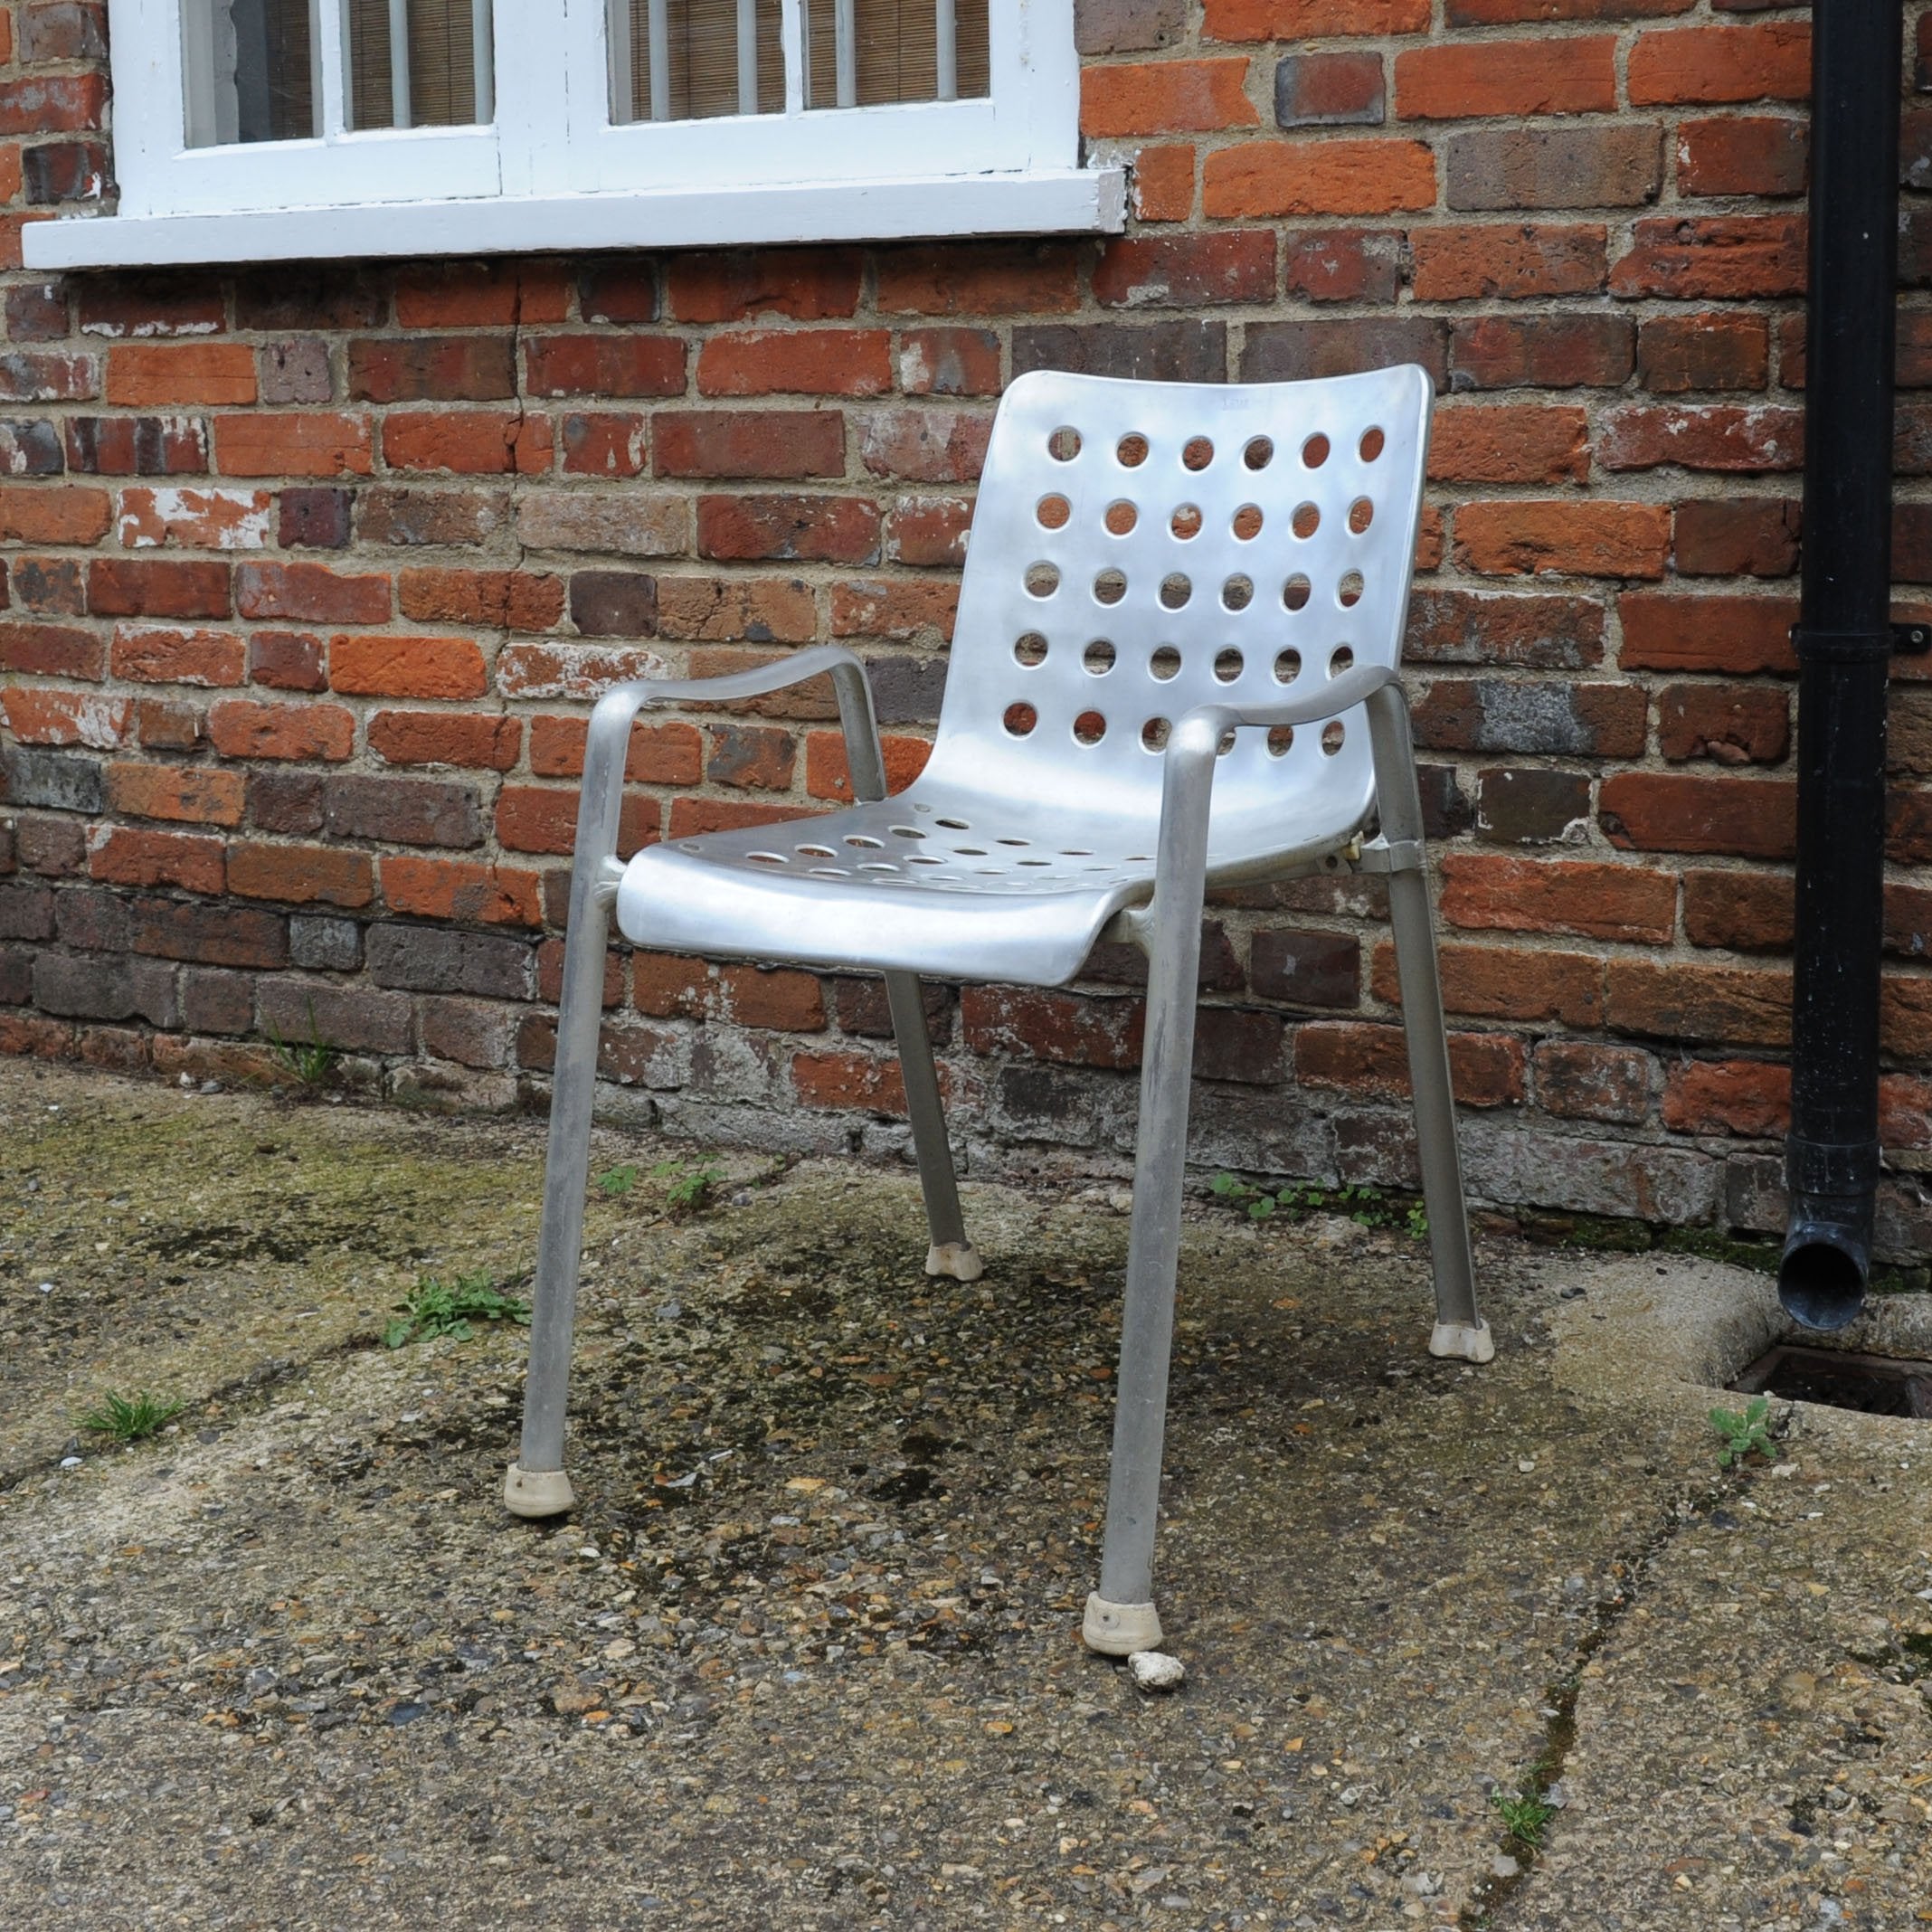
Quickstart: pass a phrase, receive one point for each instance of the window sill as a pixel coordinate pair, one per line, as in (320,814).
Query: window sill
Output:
(1059,201)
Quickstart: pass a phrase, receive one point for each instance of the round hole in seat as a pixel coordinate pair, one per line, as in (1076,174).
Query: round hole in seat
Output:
(1237,593)
(1341,658)
(1110,586)
(1315,452)
(1165,663)
(769,858)
(970,851)
(1053,512)
(1333,733)
(688,845)
(1247,523)
(920,858)
(1186,521)
(1175,591)
(907,832)
(1064,444)
(1036,862)
(1196,452)
(1372,444)
(1287,665)
(1021,842)
(953,825)
(865,842)
(1020,719)
(1029,649)
(1281,740)
(817,852)
(1077,852)
(827,872)
(1295,592)
(1362,514)
(1089,728)
(1259,452)
(1227,665)
(1305,523)
(1098,658)
(1348,591)
(1131,450)
(1154,734)
(1042,579)
(1121,518)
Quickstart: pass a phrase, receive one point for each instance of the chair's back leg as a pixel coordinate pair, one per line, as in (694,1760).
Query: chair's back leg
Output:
(950,1253)
(1120,1616)
(1460,1329)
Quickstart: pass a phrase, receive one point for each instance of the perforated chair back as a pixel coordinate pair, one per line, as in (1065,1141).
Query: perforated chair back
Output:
(1141,548)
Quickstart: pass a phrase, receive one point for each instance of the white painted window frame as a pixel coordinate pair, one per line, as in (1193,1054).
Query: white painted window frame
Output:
(554,171)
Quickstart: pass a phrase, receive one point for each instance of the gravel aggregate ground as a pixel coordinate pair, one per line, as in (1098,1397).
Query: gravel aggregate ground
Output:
(806,1655)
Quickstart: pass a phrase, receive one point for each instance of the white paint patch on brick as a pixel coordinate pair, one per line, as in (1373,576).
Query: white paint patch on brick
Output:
(196,519)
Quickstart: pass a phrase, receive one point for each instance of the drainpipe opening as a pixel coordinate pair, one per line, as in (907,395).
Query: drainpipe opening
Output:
(1821,1282)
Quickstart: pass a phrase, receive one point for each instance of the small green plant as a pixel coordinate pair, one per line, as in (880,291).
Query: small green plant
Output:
(312,1061)
(690,1187)
(434,1308)
(1368,1207)
(131,1418)
(619,1181)
(1742,1434)
(1523,1814)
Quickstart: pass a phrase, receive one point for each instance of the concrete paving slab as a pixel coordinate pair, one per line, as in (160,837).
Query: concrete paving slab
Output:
(806,1655)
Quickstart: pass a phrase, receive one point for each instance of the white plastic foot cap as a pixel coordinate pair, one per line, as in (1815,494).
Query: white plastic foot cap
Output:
(1463,1342)
(537,1492)
(960,1259)
(1119,1630)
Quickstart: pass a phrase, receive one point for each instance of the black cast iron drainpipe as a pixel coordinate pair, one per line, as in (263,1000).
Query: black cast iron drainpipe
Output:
(1844,640)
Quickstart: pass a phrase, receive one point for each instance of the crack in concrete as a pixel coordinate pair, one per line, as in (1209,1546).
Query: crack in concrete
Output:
(1482,1912)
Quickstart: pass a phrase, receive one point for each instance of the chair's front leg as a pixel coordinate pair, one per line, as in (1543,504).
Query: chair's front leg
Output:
(1460,1329)
(1120,1616)
(950,1252)
(536,1484)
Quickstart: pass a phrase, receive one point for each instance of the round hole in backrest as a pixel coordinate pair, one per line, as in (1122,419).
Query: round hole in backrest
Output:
(1109,587)
(1053,511)
(1259,452)
(1196,452)
(1029,648)
(767,859)
(861,840)
(1224,744)
(1287,665)
(1281,740)
(1121,518)
(1154,734)
(1247,523)
(1175,591)
(1098,658)
(1296,592)
(817,852)
(1315,452)
(1237,593)
(1020,719)
(1306,520)
(1362,514)
(1333,733)
(1130,451)
(1186,522)
(1227,665)
(1348,591)
(1372,444)
(1090,727)
(1064,444)
(1164,664)
(1341,658)
(1042,579)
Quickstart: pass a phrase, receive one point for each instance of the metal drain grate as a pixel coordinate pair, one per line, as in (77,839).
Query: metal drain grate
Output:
(1872,1385)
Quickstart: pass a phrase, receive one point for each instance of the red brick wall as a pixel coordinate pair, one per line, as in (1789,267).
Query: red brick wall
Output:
(311,574)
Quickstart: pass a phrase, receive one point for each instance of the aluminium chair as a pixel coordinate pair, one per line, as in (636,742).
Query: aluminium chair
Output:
(1174,667)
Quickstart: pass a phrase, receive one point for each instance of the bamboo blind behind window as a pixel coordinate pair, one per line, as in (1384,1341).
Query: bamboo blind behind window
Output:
(896,46)
(441,63)
(701,41)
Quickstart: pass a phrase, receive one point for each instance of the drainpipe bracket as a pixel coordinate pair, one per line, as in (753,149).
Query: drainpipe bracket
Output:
(1911,640)
(1831,1167)
(1848,647)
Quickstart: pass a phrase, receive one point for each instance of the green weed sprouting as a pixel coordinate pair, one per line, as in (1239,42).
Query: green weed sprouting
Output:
(432,1308)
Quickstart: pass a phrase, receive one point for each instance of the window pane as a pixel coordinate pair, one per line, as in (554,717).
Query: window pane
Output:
(249,71)
(688,59)
(444,76)
(860,53)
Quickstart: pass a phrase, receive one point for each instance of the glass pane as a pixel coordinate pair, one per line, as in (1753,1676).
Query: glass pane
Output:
(443,79)
(688,59)
(860,53)
(249,71)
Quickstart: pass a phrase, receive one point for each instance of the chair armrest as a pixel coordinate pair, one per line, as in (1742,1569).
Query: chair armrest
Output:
(1326,700)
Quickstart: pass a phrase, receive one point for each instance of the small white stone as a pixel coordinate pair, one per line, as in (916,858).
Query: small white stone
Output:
(69,1462)
(1156,1671)
(1527,1464)
(1502,1866)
